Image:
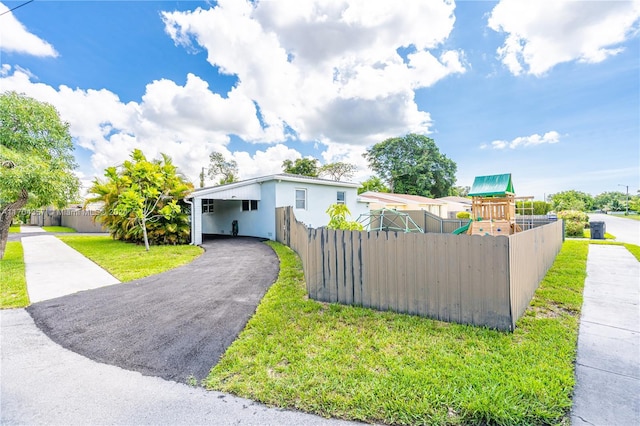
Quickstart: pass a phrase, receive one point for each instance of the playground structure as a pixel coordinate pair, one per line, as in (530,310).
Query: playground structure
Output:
(493,207)
(388,220)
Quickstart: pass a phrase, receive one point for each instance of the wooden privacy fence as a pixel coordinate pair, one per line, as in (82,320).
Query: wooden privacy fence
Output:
(478,280)
(80,220)
(430,222)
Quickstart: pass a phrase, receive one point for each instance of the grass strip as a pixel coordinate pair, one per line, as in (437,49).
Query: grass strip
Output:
(127,261)
(14,229)
(607,236)
(58,229)
(360,364)
(13,290)
(633,249)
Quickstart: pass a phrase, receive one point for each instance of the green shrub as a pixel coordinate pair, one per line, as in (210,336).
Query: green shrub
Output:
(573,229)
(574,222)
(463,215)
(338,214)
(573,216)
(533,207)
(142,194)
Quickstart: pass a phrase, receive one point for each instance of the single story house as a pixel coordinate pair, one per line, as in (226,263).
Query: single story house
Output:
(456,204)
(253,202)
(387,200)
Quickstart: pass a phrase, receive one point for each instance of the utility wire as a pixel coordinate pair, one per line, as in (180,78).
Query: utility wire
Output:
(20,5)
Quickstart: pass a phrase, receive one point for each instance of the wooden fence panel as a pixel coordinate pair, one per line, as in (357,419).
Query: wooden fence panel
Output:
(531,254)
(479,280)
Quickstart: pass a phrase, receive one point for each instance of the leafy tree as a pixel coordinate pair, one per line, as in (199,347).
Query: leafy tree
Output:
(36,159)
(610,201)
(219,167)
(338,214)
(143,201)
(302,166)
(634,204)
(337,171)
(571,200)
(413,165)
(460,191)
(374,184)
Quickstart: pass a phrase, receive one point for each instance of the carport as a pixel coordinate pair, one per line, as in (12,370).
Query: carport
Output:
(215,209)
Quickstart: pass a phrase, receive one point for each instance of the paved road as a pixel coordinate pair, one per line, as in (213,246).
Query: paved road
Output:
(42,383)
(625,230)
(173,325)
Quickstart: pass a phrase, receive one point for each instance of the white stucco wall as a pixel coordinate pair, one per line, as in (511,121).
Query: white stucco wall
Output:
(272,194)
(319,198)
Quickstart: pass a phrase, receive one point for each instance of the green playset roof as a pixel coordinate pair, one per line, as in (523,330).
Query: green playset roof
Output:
(492,186)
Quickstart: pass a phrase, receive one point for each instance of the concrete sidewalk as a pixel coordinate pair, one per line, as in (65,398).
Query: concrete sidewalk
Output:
(54,269)
(44,384)
(607,390)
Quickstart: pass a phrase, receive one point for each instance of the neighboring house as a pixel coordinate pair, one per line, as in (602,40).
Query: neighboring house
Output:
(456,204)
(253,204)
(379,200)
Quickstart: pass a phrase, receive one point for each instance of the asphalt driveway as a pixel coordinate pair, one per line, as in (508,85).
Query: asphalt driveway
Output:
(174,325)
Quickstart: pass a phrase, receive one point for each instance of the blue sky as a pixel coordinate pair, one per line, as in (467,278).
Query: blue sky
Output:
(547,91)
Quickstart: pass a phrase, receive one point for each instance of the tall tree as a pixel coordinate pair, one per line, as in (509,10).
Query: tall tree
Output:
(227,171)
(614,201)
(338,170)
(302,166)
(460,191)
(571,200)
(413,164)
(36,159)
(143,201)
(374,183)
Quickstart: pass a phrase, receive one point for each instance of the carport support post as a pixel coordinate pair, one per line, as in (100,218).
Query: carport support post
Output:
(196,221)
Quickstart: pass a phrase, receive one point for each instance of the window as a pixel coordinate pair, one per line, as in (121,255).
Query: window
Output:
(207,206)
(301,199)
(340,199)
(249,205)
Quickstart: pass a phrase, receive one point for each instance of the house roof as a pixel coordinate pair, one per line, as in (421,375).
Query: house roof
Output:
(396,199)
(492,186)
(454,199)
(201,192)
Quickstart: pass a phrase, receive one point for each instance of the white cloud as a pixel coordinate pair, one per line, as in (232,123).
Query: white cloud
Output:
(265,162)
(542,34)
(186,122)
(523,141)
(327,69)
(15,37)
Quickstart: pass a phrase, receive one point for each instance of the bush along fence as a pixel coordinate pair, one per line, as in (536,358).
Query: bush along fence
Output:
(478,280)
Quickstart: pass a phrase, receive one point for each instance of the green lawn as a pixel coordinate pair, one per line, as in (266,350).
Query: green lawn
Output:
(13,287)
(360,364)
(58,229)
(127,261)
(14,229)
(607,236)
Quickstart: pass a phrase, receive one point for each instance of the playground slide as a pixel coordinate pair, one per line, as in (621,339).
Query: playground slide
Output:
(462,229)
